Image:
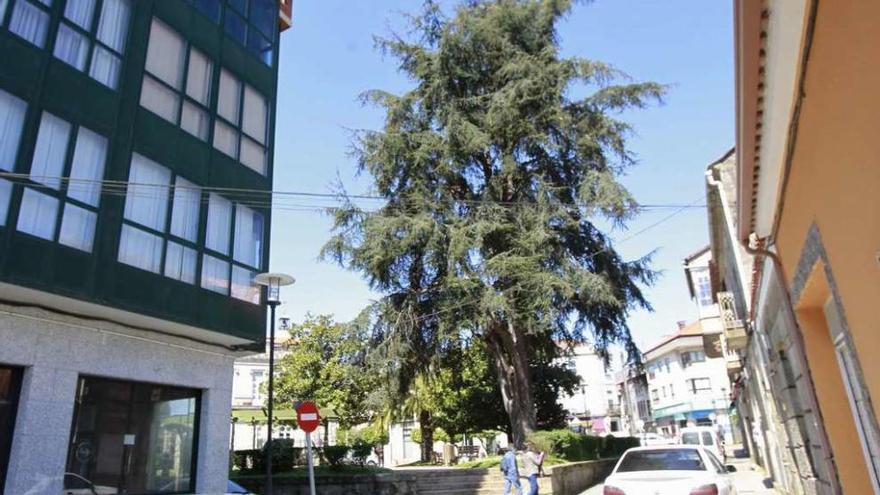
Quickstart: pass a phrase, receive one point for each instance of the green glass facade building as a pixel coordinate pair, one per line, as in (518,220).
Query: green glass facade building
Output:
(136,162)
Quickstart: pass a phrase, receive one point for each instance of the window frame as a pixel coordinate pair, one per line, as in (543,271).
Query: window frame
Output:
(61,193)
(6,18)
(94,42)
(223,8)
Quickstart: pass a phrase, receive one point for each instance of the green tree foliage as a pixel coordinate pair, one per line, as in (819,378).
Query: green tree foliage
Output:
(496,167)
(326,365)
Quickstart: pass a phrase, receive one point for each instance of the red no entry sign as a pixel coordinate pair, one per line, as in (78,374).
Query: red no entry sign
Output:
(307,416)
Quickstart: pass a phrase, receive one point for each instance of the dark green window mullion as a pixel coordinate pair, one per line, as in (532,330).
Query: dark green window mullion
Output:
(92,36)
(240,123)
(232,245)
(184,76)
(202,236)
(169,211)
(61,192)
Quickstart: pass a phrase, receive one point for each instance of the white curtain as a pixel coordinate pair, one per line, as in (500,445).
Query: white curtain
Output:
(180,263)
(146,201)
(165,54)
(219,223)
(29,22)
(248,236)
(194,120)
(51,149)
(198,78)
(71,47)
(243,286)
(253,155)
(80,12)
(225,139)
(5,196)
(159,99)
(215,274)
(105,67)
(185,210)
(77,228)
(37,214)
(255,112)
(113,26)
(12,112)
(228,98)
(140,249)
(87,170)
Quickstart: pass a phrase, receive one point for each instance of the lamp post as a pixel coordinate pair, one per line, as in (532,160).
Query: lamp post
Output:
(273,283)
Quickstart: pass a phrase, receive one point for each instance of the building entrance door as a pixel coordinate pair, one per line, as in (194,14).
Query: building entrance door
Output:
(10,384)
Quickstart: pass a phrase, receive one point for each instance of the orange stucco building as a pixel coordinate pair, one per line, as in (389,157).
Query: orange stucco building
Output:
(808,168)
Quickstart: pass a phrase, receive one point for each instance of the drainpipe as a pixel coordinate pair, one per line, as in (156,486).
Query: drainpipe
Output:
(801,353)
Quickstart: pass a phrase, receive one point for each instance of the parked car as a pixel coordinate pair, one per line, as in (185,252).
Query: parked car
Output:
(705,436)
(649,439)
(669,470)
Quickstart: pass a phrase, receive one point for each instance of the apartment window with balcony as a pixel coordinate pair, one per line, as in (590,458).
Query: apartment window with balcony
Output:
(699,385)
(177,81)
(97,42)
(240,127)
(74,200)
(29,19)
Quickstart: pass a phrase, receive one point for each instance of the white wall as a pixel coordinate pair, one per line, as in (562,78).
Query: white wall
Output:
(55,350)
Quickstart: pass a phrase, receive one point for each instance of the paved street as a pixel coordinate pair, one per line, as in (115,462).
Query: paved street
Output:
(748,478)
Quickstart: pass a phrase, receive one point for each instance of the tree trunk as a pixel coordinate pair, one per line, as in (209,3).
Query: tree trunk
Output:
(507,347)
(426,425)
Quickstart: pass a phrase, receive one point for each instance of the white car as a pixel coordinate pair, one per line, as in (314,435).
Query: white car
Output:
(669,470)
(654,439)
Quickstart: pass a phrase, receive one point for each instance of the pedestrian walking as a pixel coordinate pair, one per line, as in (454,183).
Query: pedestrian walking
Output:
(532,460)
(510,471)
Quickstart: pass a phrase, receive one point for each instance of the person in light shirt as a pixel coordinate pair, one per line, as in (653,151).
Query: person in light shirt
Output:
(532,466)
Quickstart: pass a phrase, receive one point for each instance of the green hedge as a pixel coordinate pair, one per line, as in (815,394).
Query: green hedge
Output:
(574,447)
(284,458)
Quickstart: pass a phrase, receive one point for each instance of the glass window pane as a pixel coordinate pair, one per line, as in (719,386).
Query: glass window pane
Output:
(30,22)
(12,112)
(226,139)
(105,67)
(248,236)
(87,170)
(113,27)
(253,155)
(228,99)
(260,46)
(159,99)
(198,79)
(71,47)
(77,227)
(47,165)
(194,120)
(235,27)
(80,12)
(219,223)
(215,274)
(165,54)
(255,114)
(180,263)
(264,15)
(210,8)
(146,201)
(5,196)
(37,214)
(243,286)
(185,212)
(140,249)
(238,5)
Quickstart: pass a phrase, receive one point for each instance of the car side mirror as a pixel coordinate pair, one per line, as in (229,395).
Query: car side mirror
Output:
(730,468)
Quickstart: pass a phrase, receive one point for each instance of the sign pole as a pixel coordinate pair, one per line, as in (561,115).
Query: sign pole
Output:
(311,464)
(308,419)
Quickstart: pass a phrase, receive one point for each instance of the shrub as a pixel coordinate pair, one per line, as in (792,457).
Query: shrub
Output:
(334,454)
(360,451)
(247,460)
(567,444)
(283,455)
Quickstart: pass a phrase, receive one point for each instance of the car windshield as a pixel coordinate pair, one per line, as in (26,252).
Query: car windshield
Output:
(690,438)
(662,460)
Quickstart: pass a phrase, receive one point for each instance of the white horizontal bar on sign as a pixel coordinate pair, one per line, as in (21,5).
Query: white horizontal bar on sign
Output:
(309,417)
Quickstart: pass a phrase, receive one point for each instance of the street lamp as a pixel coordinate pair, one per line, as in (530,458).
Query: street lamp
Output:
(273,283)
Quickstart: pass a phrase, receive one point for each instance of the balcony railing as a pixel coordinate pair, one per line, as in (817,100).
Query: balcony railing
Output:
(734,330)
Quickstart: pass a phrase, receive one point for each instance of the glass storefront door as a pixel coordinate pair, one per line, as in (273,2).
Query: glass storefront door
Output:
(134,438)
(10,384)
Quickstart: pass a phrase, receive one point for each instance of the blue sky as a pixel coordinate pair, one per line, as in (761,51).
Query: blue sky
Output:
(327,60)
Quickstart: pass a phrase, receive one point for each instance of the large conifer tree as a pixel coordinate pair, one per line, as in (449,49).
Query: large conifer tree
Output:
(495,174)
